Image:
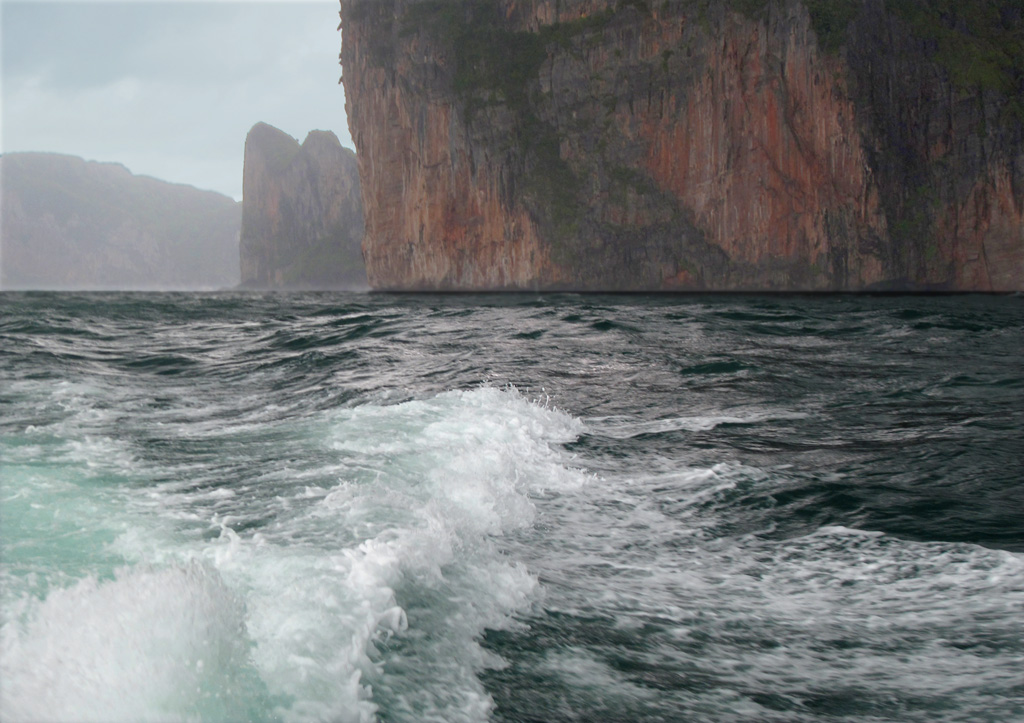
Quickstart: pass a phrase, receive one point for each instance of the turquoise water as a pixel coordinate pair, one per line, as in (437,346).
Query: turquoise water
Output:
(331,507)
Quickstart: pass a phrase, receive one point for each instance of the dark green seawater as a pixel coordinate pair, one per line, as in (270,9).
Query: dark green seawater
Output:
(330,507)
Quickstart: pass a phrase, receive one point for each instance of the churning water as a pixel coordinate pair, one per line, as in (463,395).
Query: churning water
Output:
(329,507)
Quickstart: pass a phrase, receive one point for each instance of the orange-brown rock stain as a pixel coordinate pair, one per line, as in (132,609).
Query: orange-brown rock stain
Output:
(434,219)
(982,238)
(762,147)
(743,165)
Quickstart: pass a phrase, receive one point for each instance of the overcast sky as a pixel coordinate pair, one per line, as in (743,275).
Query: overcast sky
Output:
(169,89)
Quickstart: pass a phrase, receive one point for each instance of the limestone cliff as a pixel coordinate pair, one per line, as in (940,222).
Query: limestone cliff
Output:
(688,144)
(302,216)
(68,223)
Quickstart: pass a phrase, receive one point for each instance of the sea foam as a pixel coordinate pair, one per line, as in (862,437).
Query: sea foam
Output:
(363,595)
(148,645)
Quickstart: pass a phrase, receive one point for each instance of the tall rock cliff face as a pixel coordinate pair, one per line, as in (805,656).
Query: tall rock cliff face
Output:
(688,144)
(302,215)
(68,223)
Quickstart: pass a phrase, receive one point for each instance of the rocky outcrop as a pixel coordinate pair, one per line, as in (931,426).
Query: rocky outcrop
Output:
(688,144)
(302,216)
(67,223)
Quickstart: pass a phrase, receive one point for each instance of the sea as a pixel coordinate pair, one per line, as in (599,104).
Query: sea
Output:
(344,507)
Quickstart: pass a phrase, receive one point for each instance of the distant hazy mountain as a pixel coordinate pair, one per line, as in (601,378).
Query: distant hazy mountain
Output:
(302,218)
(67,223)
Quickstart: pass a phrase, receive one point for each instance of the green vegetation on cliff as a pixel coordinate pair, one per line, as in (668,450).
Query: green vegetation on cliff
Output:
(980,44)
(830,20)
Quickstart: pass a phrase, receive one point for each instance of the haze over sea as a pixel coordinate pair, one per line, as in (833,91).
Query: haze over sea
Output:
(344,507)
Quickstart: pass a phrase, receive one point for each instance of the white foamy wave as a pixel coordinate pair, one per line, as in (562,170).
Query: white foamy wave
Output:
(837,610)
(149,645)
(58,517)
(71,425)
(350,578)
(619,428)
(368,593)
(440,480)
(920,614)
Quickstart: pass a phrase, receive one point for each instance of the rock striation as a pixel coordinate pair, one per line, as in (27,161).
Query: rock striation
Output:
(68,223)
(688,144)
(302,215)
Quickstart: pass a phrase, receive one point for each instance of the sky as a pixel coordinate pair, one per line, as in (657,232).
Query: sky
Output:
(169,89)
